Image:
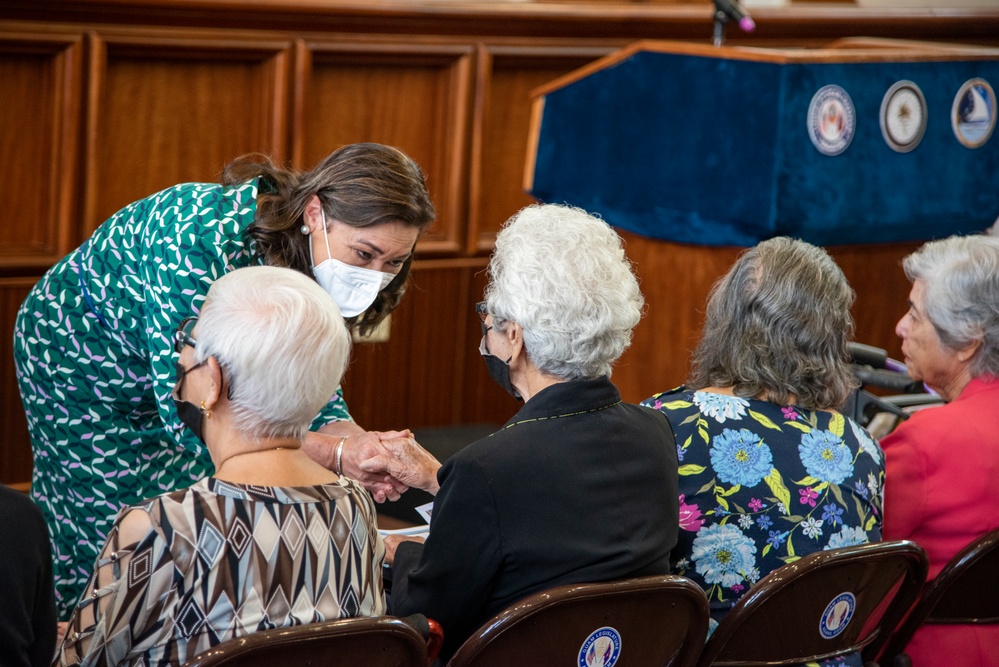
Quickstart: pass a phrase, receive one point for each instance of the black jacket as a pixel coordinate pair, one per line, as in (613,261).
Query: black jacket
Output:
(577,487)
(27,598)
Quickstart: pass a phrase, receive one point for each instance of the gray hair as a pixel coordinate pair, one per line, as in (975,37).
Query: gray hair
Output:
(562,275)
(961,276)
(282,345)
(777,326)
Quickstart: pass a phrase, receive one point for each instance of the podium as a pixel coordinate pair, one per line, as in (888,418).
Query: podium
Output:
(862,141)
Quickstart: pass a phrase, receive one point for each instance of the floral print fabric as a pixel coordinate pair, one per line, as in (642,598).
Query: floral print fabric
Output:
(762,485)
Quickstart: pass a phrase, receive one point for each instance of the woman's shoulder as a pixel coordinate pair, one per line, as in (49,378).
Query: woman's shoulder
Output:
(134,526)
(671,397)
(283,495)
(223,504)
(182,223)
(187,203)
(178,194)
(200,189)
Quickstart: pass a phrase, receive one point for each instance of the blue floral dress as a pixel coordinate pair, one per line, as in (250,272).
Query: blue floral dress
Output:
(762,485)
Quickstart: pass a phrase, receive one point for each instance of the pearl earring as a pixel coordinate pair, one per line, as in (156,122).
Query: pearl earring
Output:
(304,229)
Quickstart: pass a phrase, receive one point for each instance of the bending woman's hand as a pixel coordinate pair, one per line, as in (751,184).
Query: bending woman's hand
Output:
(359,446)
(406,461)
(358,452)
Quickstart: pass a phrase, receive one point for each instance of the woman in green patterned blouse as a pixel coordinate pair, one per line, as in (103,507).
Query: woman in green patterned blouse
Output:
(93,348)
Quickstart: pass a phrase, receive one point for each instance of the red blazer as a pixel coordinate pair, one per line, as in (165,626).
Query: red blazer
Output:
(942,491)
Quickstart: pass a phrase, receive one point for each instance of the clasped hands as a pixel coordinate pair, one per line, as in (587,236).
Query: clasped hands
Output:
(403,461)
(386,463)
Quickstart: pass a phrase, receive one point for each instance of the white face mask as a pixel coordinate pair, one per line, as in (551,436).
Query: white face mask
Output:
(352,288)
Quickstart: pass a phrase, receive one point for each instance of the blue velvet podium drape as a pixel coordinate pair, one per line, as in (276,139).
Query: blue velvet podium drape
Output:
(711,146)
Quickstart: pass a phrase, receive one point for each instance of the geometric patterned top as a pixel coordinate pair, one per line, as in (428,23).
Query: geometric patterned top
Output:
(224,560)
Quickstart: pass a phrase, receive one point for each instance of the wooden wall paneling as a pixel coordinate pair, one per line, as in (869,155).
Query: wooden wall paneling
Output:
(412,95)
(507,74)
(167,108)
(794,23)
(675,279)
(876,275)
(394,17)
(480,110)
(15,446)
(300,79)
(40,83)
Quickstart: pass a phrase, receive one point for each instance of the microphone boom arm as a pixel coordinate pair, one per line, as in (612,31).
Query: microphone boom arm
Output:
(726,10)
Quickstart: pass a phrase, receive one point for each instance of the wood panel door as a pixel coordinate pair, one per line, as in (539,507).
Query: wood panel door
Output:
(41,79)
(413,95)
(166,109)
(15,448)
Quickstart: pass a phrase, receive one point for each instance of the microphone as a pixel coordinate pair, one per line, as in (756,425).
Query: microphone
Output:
(733,10)
(875,357)
(891,380)
(867,355)
(871,365)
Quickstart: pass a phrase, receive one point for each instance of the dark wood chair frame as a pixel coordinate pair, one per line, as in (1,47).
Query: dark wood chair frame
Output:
(966,591)
(370,641)
(779,621)
(661,620)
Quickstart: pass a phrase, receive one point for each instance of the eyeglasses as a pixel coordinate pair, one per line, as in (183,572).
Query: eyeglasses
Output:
(182,336)
(480,308)
(182,373)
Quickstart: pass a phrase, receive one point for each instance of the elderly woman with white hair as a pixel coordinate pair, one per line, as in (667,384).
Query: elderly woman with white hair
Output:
(273,539)
(943,462)
(578,486)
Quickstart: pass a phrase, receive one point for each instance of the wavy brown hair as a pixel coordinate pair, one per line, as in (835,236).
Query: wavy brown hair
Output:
(362,185)
(777,326)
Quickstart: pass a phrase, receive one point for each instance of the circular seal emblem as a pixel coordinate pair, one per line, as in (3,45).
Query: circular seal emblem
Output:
(831,120)
(837,615)
(601,649)
(973,114)
(903,116)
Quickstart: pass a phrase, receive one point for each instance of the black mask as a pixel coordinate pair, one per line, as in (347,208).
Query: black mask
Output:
(498,370)
(192,416)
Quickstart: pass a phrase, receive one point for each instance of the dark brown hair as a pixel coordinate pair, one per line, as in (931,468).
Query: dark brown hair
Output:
(361,185)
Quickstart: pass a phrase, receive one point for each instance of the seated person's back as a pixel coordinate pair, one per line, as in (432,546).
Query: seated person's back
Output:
(943,462)
(578,486)
(769,469)
(272,539)
(27,601)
